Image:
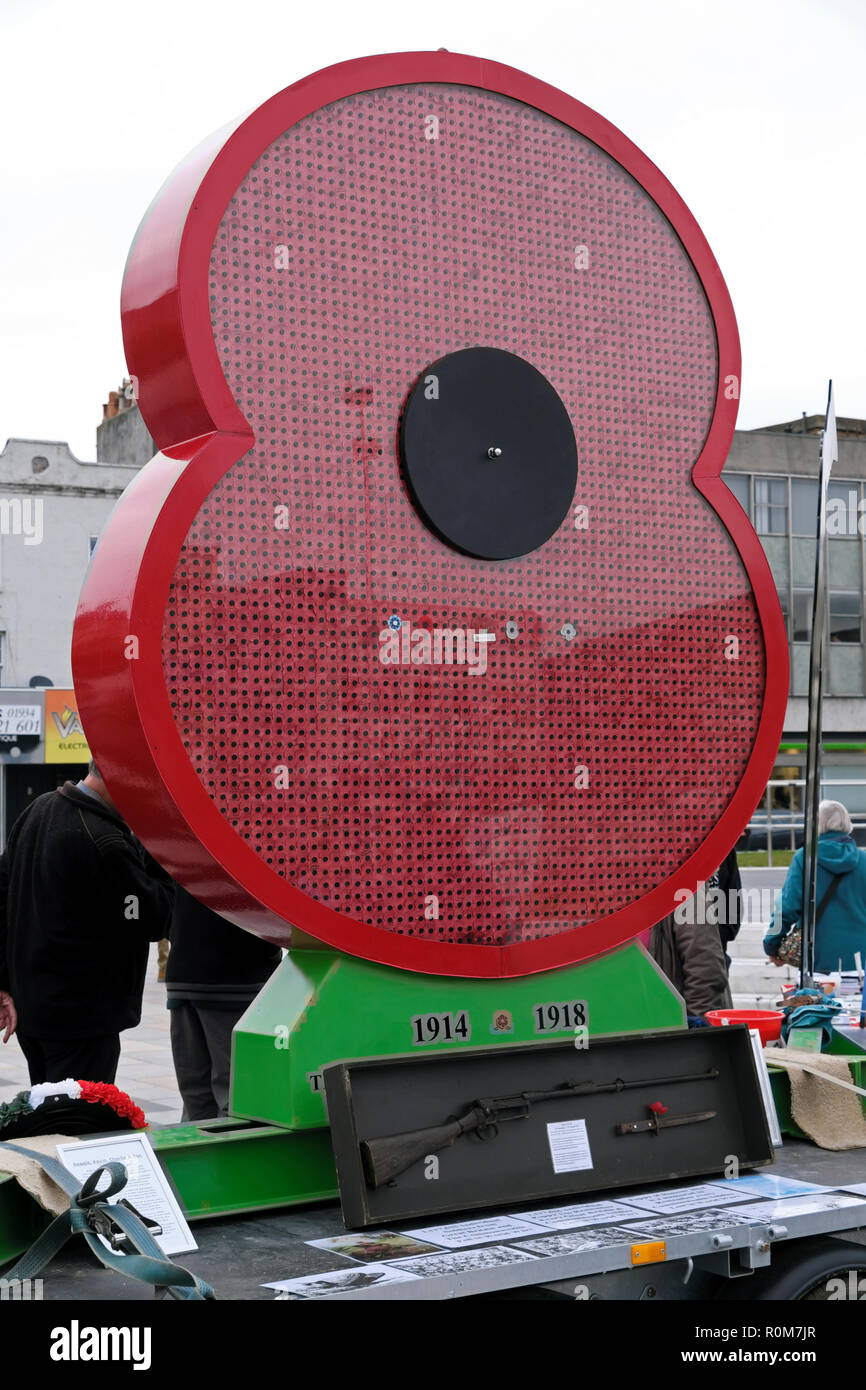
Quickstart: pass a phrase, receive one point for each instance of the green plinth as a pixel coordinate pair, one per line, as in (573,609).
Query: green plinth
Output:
(322,1006)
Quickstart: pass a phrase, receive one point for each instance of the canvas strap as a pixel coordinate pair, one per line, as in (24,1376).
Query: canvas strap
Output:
(91,1215)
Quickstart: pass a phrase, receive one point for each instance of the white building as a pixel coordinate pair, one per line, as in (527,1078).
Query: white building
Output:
(53,508)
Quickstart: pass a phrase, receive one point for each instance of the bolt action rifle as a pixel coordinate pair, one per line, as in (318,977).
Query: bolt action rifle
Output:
(386,1158)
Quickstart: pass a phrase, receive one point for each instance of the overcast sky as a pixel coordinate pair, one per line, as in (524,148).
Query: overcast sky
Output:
(754,109)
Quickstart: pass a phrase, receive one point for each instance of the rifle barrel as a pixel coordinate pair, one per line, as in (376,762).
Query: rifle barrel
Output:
(589,1088)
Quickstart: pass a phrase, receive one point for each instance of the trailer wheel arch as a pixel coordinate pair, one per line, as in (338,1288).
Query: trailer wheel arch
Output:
(798,1271)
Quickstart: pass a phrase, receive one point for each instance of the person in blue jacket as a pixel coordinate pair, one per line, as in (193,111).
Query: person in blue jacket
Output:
(842,927)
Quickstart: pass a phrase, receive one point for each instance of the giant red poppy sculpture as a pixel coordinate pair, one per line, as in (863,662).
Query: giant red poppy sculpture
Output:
(433,630)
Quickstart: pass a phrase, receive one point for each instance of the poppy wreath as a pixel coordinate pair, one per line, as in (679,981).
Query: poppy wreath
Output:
(69,1107)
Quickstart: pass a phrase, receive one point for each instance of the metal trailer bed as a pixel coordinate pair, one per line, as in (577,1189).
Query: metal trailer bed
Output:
(238,1255)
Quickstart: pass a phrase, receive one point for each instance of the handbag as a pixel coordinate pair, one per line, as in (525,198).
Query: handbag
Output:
(790,947)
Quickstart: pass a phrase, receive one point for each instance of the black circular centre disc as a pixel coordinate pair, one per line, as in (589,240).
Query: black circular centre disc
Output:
(489,453)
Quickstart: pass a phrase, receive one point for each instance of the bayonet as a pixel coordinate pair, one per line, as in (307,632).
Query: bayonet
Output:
(657,1122)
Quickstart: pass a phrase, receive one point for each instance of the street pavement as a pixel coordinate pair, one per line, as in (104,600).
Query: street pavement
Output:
(755,982)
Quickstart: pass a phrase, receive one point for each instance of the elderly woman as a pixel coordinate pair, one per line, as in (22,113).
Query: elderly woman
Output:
(841,926)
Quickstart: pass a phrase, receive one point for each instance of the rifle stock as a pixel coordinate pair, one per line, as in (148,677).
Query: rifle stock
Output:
(384,1159)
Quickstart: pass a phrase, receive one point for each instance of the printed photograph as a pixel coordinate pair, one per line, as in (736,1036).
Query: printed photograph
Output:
(338,1281)
(377,1245)
(683,1222)
(456,1261)
(579,1240)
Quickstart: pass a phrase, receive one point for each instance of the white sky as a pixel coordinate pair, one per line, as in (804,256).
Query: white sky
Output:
(754,109)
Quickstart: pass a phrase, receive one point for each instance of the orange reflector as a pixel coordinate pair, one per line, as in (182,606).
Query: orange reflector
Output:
(648,1254)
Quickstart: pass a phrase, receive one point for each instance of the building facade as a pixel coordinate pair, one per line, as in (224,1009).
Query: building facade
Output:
(53,507)
(773,472)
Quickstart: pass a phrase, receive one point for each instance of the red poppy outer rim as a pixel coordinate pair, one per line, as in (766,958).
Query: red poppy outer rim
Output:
(191,413)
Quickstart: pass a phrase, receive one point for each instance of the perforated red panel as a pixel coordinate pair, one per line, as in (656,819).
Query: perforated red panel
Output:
(406,781)
(261,653)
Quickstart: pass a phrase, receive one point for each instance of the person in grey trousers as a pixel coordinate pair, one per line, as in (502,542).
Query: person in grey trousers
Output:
(214,972)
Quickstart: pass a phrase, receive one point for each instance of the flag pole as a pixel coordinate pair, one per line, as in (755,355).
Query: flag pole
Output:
(817,658)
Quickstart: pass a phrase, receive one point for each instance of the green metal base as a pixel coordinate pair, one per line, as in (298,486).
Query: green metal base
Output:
(224,1167)
(321,1006)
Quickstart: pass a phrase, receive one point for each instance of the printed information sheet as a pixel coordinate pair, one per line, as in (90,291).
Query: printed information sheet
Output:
(682,1198)
(794,1206)
(462,1233)
(147,1189)
(574,1214)
(766,1185)
(569,1146)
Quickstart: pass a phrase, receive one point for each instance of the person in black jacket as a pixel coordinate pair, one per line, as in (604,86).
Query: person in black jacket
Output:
(80,899)
(729,884)
(214,972)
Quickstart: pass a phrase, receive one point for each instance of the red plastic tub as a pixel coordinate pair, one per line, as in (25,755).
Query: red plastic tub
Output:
(767,1021)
